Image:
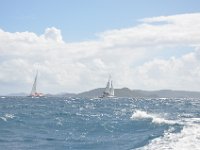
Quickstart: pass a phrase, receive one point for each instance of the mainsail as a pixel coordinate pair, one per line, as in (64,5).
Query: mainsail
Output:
(34,92)
(109,90)
(112,90)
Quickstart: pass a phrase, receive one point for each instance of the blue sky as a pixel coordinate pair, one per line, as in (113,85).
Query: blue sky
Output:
(81,19)
(143,44)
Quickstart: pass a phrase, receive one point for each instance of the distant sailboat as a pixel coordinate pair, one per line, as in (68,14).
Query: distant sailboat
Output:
(109,90)
(34,92)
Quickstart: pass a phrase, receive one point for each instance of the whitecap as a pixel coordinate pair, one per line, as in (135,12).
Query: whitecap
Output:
(3,118)
(138,114)
(188,138)
(9,116)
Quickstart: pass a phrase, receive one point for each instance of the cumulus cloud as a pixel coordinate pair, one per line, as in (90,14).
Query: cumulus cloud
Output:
(53,34)
(175,73)
(134,56)
(158,32)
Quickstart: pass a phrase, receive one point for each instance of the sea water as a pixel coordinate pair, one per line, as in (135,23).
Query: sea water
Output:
(59,123)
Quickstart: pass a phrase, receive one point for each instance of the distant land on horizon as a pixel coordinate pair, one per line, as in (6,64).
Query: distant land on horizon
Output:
(126,92)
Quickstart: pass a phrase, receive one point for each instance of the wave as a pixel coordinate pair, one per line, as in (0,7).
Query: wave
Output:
(188,138)
(7,116)
(138,114)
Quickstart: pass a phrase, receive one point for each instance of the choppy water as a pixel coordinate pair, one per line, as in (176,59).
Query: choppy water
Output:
(109,124)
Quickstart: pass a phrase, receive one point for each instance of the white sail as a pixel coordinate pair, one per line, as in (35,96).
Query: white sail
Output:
(34,92)
(34,88)
(109,90)
(112,93)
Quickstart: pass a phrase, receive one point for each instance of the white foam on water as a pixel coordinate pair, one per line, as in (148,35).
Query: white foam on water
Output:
(3,118)
(187,139)
(138,114)
(7,116)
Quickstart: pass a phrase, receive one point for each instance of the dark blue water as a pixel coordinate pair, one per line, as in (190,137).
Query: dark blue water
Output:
(110,124)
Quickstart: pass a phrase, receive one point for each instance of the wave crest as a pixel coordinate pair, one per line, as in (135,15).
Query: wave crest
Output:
(188,138)
(7,116)
(138,114)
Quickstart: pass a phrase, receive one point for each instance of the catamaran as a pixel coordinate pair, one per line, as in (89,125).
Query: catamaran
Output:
(34,92)
(109,90)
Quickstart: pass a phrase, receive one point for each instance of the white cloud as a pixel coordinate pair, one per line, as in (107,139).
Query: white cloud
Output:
(134,56)
(176,73)
(158,31)
(53,34)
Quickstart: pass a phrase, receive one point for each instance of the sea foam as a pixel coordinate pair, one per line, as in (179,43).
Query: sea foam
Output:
(138,114)
(188,138)
(7,116)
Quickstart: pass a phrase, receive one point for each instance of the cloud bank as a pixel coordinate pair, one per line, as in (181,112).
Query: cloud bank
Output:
(158,53)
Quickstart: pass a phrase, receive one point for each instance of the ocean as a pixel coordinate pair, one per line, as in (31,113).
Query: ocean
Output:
(60,123)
